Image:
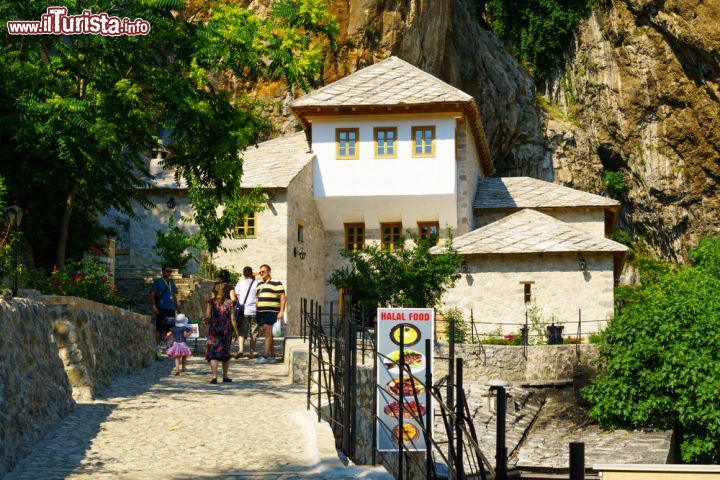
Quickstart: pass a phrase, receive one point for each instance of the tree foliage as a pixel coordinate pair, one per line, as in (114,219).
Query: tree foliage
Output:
(410,277)
(537,31)
(78,113)
(663,358)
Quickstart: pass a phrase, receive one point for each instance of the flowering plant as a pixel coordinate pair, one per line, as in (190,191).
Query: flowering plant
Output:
(85,278)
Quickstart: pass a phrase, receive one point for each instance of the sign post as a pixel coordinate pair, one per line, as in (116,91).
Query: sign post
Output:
(402,399)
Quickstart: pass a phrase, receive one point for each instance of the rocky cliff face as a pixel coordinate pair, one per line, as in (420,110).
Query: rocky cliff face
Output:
(642,87)
(639,94)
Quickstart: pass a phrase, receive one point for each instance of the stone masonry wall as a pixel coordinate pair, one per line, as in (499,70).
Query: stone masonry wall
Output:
(55,349)
(492,289)
(305,277)
(97,342)
(468,172)
(34,390)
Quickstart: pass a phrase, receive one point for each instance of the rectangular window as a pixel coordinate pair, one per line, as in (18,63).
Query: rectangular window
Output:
(300,234)
(248,229)
(527,290)
(385,142)
(390,236)
(423,141)
(429,230)
(354,237)
(346,142)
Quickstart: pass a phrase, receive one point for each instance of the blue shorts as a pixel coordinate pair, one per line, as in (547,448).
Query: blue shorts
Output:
(266,318)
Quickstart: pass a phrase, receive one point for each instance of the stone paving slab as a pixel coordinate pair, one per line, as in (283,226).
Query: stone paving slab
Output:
(155,425)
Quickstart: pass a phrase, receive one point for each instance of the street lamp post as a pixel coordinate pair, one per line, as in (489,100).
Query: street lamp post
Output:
(14,216)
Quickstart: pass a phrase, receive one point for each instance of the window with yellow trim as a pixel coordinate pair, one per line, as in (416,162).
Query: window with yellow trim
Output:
(346,143)
(423,141)
(429,230)
(385,142)
(248,228)
(354,237)
(390,236)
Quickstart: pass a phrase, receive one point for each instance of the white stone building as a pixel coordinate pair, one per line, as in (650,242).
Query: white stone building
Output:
(388,149)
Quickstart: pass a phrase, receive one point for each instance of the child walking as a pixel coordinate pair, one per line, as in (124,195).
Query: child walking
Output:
(179,350)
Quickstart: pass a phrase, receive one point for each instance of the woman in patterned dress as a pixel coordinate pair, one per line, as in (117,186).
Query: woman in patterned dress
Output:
(221,323)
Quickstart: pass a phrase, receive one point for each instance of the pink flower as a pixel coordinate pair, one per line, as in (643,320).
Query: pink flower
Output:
(76,278)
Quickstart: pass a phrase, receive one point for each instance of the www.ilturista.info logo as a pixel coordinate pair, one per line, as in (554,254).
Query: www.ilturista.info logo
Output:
(56,21)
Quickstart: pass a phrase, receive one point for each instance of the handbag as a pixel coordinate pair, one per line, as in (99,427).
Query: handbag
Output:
(240,307)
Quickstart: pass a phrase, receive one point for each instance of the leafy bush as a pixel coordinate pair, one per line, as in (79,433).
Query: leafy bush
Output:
(512,339)
(614,182)
(460,327)
(410,277)
(707,254)
(537,31)
(172,246)
(663,357)
(86,278)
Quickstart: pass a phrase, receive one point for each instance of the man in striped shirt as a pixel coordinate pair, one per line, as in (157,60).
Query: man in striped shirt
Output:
(270,308)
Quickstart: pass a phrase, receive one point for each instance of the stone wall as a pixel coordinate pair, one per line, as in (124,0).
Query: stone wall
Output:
(97,342)
(306,277)
(492,290)
(34,390)
(56,349)
(468,173)
(590,220)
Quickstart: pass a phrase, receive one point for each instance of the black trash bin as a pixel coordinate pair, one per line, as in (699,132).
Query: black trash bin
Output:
(554,334)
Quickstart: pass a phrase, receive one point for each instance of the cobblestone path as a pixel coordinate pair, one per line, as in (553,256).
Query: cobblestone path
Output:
(155,425)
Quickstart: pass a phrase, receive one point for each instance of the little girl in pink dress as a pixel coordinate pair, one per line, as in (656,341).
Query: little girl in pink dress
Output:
(179,350)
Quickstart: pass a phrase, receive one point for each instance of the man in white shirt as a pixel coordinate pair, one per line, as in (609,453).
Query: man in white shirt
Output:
(246,293)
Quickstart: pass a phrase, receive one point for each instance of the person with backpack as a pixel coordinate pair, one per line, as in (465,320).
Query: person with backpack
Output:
(245,310)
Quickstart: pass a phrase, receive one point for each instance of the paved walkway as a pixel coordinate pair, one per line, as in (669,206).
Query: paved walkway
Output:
(154,425)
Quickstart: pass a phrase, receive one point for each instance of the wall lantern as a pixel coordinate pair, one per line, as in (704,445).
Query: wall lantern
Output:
(299,252)
(582,263)
(171,203)
(464,266)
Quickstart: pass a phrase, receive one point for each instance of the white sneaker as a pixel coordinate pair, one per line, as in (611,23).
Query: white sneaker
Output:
(271,360)
(261,359)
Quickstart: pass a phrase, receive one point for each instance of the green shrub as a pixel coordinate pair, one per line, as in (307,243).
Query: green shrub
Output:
(537,31)
(614,182)
(460,327)
(172,245)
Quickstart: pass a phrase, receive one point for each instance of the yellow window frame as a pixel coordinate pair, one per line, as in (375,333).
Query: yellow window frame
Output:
(423,141)
(249,225)
(394,233)
(376,135)
(429,236)
(354,240)
(338,133)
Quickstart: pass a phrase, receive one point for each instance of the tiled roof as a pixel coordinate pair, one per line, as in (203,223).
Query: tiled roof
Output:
(272,164)
(526,192)
(529,231)
(390,82)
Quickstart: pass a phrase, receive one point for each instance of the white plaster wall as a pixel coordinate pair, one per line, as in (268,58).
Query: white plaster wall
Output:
(492,290)
(369,176)
(468,174)
(306,277)
(590,220)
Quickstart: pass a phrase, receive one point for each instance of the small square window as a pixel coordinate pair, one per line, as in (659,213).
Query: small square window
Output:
(385,142)
(429,230)
(346,142)
(423,141)
(354,237)
(390,236)
(248,229)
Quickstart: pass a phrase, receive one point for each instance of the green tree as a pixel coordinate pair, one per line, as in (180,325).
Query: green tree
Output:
(79,112)
(410,277)
(172,245)
(537,31)
(663,359)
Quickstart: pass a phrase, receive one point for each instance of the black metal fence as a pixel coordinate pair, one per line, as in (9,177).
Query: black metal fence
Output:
(341,339)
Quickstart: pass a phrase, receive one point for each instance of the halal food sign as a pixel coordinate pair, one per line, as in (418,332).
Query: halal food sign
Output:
(403,329)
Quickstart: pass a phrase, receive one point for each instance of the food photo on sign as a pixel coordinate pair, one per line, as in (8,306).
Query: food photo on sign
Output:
(403,329)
